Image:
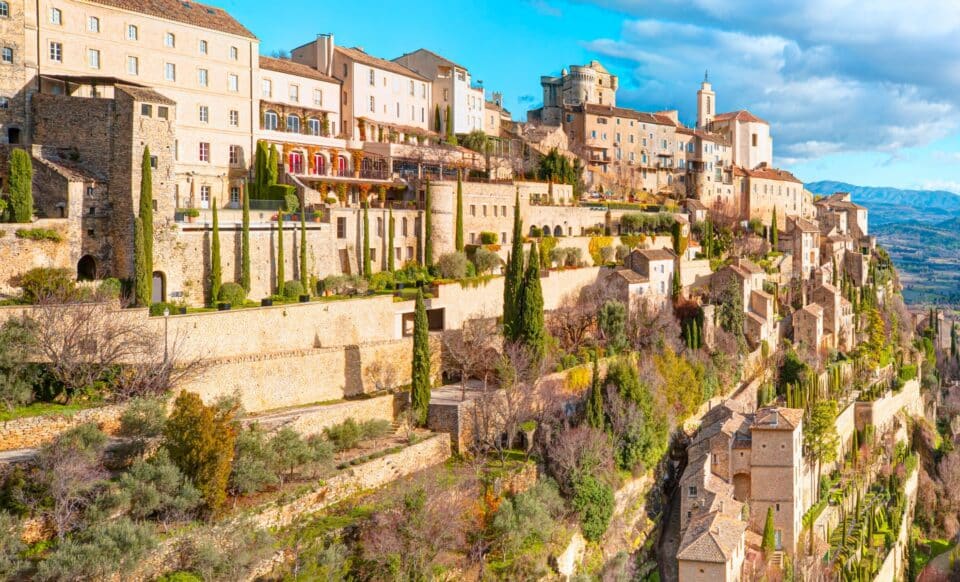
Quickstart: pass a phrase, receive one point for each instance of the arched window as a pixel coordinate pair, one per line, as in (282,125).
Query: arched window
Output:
(270,120)
(4,10)
(86,268)
(342,166)
(313,126)
(319,164)
(557,231)
(293,124)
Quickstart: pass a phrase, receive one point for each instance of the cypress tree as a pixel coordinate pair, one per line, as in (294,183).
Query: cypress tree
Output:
(20,186)
(769,543)
(280,260)
(273,167)
(391,229)
(595,416)
(428,228)
(367,267)
(216,271)
(677,286)
(774,234)
(708,239)
(141,287)
(420,381)
(260,170)
(514,272)
(451,136)
(245,244)
(436,119)
(531,330)
(146,215)
(459,235)
(304,277)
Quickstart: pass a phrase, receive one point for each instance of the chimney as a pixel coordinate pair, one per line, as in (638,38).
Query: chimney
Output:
(325,49)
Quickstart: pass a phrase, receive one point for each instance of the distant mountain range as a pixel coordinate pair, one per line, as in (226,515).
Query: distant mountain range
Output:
(921,229)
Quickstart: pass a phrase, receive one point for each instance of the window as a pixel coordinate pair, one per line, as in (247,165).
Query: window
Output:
(170,72)
(163,112)
(313,126)
(403,226)
(204,114)
(153,162)
(233,83)
(203,77)
(317,97)
(146,110)
(133,66)
(169,40)
(4,103)
(473,210)
(342,227)
(203,47)
(372,77)
(270,120)
(205,196)
(295,93)
(132,32)
(234,54)
(411,88)
(204,151)
(234,118)
(373,105)
(446,94)
(379,226)
(234,196)
(93,58)
(6,55)
(236,153)
(503,210)
(56,17)
(266,88)
(753,138)
(93,24)
(293,124)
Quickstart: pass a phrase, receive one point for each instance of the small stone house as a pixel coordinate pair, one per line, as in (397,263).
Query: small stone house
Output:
(657,265)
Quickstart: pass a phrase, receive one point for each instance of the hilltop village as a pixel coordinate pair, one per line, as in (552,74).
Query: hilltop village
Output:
(336,316)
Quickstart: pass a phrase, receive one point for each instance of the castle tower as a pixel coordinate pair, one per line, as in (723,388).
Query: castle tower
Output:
(706,104)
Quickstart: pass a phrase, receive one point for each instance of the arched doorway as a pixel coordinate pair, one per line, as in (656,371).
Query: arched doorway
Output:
(741,487)
(86,268)
(13,135)
(557,231)
(159,287)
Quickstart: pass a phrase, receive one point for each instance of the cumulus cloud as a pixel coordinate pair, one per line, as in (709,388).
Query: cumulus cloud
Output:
(831,76)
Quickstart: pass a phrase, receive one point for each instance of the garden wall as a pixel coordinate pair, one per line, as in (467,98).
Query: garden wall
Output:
(19,255)
(881,412)
(895,563)
(34,431)
(312,420)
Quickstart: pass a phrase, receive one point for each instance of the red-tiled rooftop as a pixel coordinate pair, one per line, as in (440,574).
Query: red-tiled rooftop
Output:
(184,11)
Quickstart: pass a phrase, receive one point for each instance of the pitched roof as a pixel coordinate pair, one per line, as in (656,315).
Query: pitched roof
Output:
(777,418)
(707,135)
(184,11)
(656,254)
(145,94)
(611,111)
(742,115)
(745,267)
(712,537)
(357,54)
(766,173)
(695,204)
(630,276)
(443,59)
(804,225)
(289,67)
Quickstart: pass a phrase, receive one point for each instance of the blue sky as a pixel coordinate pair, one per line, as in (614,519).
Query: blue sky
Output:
(867,96)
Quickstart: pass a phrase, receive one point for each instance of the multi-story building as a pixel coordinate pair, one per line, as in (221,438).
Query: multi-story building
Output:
(18,68)
(590,84)
(748,135)
(764,189)
(380,98)
(452,88)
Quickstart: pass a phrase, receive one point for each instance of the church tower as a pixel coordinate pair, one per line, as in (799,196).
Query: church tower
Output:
(706,104)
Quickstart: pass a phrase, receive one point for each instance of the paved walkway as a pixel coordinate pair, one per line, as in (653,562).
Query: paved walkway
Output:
(670,541)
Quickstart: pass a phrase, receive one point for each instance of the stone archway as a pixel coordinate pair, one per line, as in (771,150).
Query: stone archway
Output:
(557,230)
(86,268)
(159,287)
(741,487)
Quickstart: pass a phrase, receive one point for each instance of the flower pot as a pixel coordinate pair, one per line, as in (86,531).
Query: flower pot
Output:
(182,310)
(223,306)
(304,299)
(266,302)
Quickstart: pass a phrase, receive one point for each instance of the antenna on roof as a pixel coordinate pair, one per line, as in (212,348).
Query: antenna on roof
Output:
(706,76)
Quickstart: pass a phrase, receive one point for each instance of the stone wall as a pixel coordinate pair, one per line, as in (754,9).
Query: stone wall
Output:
(896,561)
(312,420)
(19,255)
(882,411)
(35,431)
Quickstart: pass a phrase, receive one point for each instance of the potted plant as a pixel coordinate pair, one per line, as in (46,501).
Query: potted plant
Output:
(317,215)
(191,214)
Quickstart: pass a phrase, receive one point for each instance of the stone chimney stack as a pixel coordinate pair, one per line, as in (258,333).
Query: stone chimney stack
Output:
(325,49)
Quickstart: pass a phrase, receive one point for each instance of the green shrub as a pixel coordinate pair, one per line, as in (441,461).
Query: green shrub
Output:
(180,577)
(345,285)
(289,451)
(251,471)
(485,260)
(143,419)
(233,294)
(594,502)
(375,428)
(39,234)
(350,433)
(292,289)
(536,232)
(225,555)
(157,309)
(105,550)
(11,546)
(110,288)
(488,238)
(452,266)
(43,283)
(382,281)
(17,374)
(528,519)
(155,488)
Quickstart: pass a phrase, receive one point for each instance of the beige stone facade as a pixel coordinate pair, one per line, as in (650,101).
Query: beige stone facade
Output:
(580,85)
(452,87)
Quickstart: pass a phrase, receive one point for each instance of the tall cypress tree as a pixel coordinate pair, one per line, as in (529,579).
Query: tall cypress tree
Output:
(531,331)
(677,286)
(280,258)
(595,416)
(146,215)
(367,267)
(437,127)
(451,136)
(141,287)
(420,380)
(245,244)
(774,231)
(428,227)
(273,167)
(304,276)
(261,176)
(20,186)
(459,235)
(391,252)
(768,543)
(513,275)
(216,270)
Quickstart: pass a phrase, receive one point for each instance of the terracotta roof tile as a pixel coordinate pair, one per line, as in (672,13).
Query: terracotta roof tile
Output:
(765,173)
(712,537)
(289,67)
(359,56)
(145,94)
(656,254)
(742,115)
(609,110)
(185,11)
(785,419)
(630,276)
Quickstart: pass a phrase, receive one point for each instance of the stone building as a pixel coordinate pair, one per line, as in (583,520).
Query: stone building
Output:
(748,134)
(18,65)
(837,316)
(656,265)
(802,241)
(764,189)
(808,328)
(452,87)
(582,85)
(748,279)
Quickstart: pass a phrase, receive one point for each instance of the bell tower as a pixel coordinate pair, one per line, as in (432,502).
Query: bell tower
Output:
(706,103)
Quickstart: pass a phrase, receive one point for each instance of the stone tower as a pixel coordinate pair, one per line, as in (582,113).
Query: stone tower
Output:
(706,104)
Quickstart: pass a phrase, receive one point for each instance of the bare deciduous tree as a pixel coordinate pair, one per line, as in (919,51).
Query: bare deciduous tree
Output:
(471,352)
